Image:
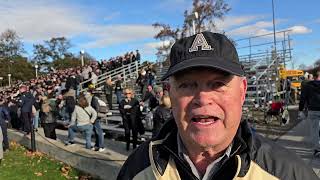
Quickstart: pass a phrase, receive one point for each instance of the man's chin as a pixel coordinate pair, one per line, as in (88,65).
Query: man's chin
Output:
(206,141)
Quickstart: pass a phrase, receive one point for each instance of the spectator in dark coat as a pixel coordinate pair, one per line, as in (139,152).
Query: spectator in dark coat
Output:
(107,88)
(13,111)
(129,109)
(4,120)
(118,88)
(161,115)
(149,95)
(72,82)
(26,101)
(155,100)
(142,81)
(310,97)
(138,56)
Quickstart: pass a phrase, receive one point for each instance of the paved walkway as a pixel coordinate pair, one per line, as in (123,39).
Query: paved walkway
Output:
(297,140)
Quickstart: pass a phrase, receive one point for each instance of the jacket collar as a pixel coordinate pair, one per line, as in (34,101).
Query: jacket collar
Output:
(242,143)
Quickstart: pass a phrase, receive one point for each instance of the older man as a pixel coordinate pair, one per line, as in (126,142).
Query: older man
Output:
(207,139)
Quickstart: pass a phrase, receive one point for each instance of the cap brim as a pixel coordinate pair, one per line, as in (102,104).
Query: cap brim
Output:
(208,62)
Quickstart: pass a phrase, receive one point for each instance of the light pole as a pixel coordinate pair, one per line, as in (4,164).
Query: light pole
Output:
(36,66)
(1,79)
(81,56)
(196,15)
(9,79)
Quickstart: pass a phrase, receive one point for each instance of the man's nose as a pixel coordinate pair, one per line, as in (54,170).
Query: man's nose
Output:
(203,98)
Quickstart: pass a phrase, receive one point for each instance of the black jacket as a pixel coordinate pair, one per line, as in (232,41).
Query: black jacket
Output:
(252,158)
(310,95)
(118,86)
(160,116)
(72,82)
(134,110)
(26,100)
(107,88)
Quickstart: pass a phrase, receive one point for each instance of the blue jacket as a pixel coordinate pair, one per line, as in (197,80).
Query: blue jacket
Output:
(4,114)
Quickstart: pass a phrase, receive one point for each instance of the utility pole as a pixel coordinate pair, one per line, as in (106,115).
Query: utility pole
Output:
(275,48)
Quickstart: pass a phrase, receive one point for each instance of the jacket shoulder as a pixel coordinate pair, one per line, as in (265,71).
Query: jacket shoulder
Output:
(136,162)
(279,161)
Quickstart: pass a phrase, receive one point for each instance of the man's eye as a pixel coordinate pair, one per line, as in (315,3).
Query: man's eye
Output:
(217,84)
(183,85)
(187,85)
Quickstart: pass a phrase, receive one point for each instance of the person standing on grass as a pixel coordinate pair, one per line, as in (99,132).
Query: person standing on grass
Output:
(4,120)
(26,101)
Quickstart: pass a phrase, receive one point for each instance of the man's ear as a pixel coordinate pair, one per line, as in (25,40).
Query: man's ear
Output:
(243,89)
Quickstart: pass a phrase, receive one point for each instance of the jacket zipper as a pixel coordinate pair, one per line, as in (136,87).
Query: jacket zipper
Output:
(223,165)
(180,161)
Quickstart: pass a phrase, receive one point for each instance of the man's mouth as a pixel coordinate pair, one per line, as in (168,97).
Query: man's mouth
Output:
(204,119)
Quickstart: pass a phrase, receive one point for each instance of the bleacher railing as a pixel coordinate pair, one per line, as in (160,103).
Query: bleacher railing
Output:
(128,72)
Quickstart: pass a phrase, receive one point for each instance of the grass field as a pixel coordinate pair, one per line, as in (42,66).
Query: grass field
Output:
(19,163)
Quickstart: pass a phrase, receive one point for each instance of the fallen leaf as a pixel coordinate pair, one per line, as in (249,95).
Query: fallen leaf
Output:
(38,173)
(65,170)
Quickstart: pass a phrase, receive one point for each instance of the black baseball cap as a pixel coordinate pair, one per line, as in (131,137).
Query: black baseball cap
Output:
(205,49)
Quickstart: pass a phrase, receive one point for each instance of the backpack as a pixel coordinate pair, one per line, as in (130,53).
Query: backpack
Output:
(70,104)
(100,106)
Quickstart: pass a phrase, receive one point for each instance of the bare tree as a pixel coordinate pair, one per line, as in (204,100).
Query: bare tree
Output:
(207,10)
(58,47)
(166,33)
(40,54)
(10,44)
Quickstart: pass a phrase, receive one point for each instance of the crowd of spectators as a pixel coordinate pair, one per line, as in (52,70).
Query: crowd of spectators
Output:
(116,62)
(52,97)
(56,96)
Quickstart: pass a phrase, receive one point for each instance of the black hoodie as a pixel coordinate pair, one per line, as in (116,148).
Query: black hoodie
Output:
(310,95)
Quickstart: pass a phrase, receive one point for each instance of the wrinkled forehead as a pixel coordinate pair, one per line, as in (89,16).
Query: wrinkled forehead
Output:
(194,72)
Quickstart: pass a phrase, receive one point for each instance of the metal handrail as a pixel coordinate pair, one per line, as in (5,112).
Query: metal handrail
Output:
(106,73)
(128,70)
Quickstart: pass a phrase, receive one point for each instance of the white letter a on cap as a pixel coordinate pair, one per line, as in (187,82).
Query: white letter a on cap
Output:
(200,41)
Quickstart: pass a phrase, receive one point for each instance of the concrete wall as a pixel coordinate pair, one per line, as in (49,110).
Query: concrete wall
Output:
(99,165)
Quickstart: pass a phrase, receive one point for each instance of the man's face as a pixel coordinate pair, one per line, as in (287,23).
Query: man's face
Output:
(128,94)
(207,106)
(149,88)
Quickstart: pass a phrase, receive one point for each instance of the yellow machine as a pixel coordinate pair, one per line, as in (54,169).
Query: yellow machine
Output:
(296,76)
